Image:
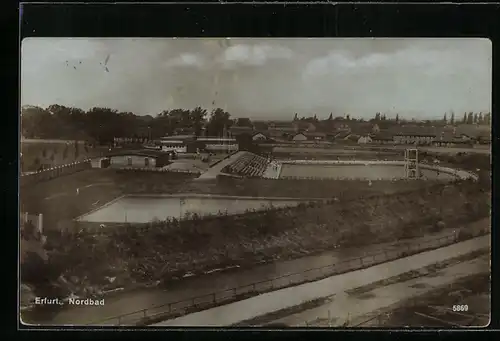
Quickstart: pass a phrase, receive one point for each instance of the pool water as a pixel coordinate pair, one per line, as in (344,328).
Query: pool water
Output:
(143,209)
(373,172)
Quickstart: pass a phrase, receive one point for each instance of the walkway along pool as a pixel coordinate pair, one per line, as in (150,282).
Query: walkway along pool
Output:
(147,208)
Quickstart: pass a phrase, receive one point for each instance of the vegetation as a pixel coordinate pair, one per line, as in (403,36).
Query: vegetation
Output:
(104,124)
(169,249)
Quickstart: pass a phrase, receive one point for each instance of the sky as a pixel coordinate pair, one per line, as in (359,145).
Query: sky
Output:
(261,78)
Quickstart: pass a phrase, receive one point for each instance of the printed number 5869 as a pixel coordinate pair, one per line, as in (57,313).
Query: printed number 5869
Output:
(464,307)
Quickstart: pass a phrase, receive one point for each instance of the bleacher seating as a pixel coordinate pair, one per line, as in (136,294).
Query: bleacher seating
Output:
(249,165)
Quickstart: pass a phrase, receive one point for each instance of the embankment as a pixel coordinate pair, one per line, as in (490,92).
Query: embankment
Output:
(172,249)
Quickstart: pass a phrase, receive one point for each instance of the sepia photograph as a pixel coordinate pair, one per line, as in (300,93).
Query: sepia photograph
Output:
(251,182)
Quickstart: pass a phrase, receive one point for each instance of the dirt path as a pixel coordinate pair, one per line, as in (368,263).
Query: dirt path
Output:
(127,302)
(270,302)
(353,307)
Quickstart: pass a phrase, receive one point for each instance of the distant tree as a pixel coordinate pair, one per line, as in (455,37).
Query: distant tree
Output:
(397,118)
(197,119)
(487,119)
(244,122)
(384,117)
(452,120)
(295,117)
(315,118)
(77,150)
(475,119)
(330,117)
(219,120)
(65,152)
(445,119)
(470,118)
(377,116)
(348,117)
(464,120)
(480,118)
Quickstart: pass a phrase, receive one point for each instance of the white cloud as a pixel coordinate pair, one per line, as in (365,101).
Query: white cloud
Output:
(430,62)
(255,55)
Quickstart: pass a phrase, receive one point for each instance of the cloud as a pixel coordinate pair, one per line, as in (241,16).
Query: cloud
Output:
(254,55)
(186,59)
(429,62)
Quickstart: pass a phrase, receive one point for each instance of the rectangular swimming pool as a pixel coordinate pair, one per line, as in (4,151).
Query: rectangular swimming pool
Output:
(144,209)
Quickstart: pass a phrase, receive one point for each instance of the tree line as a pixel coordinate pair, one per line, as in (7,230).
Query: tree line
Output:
(102,125)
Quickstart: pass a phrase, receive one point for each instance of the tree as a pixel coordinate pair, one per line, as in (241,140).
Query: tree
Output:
(480,118)
(330,117)
(197,117)
(464,120)
(487,119)
(475,117)
(445,119)
(397,118)
(295,117)
(37,122)
(377,116)
(219,120)
(470,118)
(384,117)
(348,117)
(77,150)
(244,122)
(452,120)
(65,152)
(315,119)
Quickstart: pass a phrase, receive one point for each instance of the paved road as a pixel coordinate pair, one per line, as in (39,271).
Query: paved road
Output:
(270,302)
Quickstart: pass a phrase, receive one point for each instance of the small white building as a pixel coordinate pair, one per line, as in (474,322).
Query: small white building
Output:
(364,140)
(299,137)
(259,137)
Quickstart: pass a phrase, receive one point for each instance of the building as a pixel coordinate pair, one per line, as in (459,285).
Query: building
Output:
(218,144)
(315,136)
(176,143)
(383,138)
(140,159)
(259,137)
(415,136)
(299,137)
(236,131)
(364,139)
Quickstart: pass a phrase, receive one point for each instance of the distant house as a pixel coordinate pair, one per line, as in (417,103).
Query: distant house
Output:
(450,139)
(343,135)
(315,136)
(259,137)
(414,135)
(260,125)
(383,138)
(341,125)
(364,140)
(236,131)
(299,137)
(301,126)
